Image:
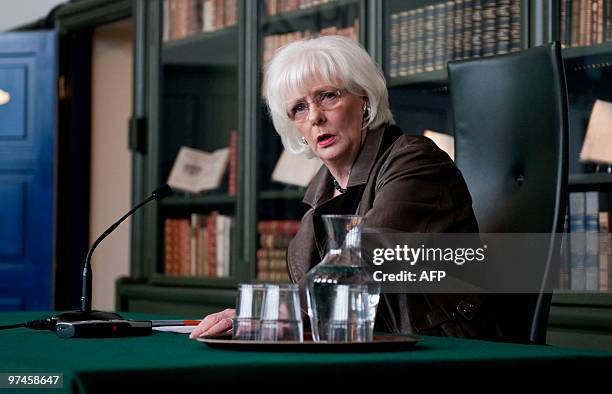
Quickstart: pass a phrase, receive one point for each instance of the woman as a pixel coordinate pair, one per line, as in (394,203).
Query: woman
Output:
(327,98)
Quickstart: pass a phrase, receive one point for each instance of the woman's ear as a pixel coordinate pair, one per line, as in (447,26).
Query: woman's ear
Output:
(366,108)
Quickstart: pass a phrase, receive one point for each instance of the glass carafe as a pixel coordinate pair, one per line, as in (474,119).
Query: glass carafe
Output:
(342,264)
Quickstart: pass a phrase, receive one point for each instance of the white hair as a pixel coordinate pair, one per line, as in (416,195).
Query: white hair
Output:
(334,60)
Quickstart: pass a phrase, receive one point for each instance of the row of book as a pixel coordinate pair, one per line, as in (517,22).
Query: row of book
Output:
(198,246)
(183,18)
(425,39)
(275,41)
(587,265)
(232,185)
(274,239)
(275,7)
(585,22)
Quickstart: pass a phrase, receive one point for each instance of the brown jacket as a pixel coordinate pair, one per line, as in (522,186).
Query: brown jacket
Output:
(404,183)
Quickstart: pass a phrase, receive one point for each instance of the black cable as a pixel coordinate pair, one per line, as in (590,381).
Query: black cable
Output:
(12,326)
(41,324)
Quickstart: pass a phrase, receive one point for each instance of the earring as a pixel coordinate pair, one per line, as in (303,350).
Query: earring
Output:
(303,141)
(366,111)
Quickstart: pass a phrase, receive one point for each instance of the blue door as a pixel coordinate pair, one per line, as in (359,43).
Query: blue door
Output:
(27,123)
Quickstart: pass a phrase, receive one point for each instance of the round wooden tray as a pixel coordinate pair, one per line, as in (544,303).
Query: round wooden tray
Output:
(381,343)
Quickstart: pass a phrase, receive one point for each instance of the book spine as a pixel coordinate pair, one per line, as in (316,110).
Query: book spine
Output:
(604,251)
(429,39)
(439,36)
(394,46)
(205,241)
(567,23)
(408,39)
(220,242)
(468,14)
(168,245)
(208,15)
(489,10)
(584,14)
(608,21)
(591,259)
(458,31)
(564,269)
(450,31)
(185,246)
(477,28)
(599,23)
(420,41)
(575,20)
(502,23)
(562,19)
(193,244)
(212,243)
(193,18)
(577,241)
(233,164)
(201,245)
(166,21)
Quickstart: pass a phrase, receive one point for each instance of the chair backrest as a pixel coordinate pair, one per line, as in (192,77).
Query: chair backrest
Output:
(511,126)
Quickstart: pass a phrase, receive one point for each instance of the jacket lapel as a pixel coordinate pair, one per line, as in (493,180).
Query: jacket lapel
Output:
(320,191)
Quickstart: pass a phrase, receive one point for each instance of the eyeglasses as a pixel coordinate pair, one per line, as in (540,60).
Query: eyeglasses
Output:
(326,100)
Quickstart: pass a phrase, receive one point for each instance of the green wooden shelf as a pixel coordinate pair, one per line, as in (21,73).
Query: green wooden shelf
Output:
(307,12)
(297,194)
(200,37)
(578,298)
(434,77)
(185,201)
(175,300)
(209,48)
(194,281)
(585,51)
(580,319)
(590,182)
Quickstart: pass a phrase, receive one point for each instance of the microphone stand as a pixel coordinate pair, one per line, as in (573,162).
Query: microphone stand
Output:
(86,313)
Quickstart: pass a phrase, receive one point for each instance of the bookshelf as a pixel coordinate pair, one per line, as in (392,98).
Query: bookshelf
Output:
(578,52)
(182,71)
(586,182)
(583,316)
(432,77)
(196,200)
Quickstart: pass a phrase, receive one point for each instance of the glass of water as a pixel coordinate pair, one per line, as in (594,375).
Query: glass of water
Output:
(281,316)
(249,301)
(349,314)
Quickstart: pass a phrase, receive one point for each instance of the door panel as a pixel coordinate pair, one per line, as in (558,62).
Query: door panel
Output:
(27,122)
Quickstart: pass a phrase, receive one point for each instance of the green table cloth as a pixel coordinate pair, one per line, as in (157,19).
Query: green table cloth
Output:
(166,362)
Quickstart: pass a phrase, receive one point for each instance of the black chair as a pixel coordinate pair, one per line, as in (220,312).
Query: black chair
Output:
(511,126)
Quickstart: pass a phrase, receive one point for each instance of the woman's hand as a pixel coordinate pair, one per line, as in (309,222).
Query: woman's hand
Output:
(215,323)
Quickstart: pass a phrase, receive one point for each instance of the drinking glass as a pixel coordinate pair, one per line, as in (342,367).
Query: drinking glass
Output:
(281,316)
(249,301)
(349,314)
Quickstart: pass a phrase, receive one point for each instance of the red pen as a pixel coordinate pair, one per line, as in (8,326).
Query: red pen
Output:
(161,323)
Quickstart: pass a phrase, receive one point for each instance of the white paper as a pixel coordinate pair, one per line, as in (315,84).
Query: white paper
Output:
(176,329)
(597,145)
(444,141)
(295,170)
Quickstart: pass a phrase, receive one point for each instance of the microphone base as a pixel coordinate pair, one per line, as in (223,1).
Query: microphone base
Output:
(73,316)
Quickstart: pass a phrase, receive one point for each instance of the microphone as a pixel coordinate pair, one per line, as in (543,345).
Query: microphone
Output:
(86,314)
